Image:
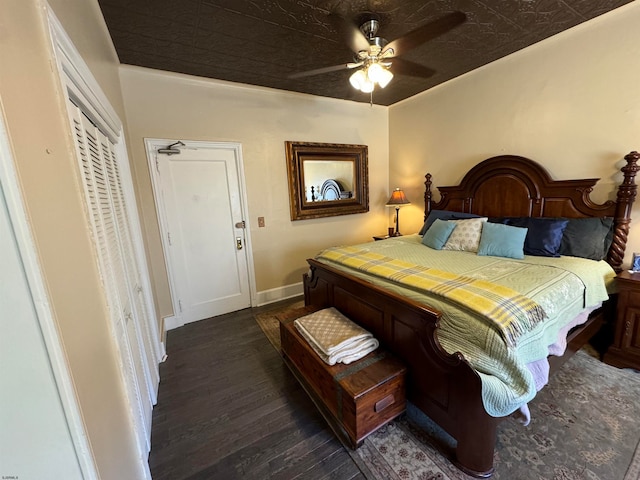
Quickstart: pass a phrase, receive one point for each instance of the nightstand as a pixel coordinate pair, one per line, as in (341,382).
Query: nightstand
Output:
(389,235)
(625,351)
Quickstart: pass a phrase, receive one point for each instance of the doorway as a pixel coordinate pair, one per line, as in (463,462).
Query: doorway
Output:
(201,204)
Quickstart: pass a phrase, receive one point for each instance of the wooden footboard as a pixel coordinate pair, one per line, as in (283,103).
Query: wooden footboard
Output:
(443,386)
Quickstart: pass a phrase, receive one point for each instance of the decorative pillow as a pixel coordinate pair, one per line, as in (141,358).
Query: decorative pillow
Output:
(444,215)
(499,240)
(587,238)
(466,235)
(438,234)
(544,235)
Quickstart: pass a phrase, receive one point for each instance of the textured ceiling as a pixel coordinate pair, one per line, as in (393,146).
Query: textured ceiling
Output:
(263,42)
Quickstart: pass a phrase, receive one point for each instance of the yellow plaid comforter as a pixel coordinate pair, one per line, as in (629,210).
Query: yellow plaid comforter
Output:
(513,314)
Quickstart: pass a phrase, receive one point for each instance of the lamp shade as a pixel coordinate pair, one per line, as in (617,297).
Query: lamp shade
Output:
(397,198)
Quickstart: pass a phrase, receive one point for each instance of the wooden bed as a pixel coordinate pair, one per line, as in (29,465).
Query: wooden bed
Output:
(444,386)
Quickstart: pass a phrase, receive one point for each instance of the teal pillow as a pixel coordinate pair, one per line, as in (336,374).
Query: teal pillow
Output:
(499,240)
(438,234)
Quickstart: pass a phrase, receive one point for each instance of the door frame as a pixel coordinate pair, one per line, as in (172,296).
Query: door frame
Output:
(151,146)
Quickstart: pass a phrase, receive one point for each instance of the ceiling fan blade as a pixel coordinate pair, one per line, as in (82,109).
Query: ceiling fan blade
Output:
(405,67)
(318,71)
(425,33)
(351,34)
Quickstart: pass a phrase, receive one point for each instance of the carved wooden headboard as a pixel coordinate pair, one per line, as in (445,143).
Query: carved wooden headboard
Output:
(513,186)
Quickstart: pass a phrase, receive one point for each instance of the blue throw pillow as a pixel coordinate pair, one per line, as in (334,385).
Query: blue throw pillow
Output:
(438,234)
(499,240)
(544,235)
(444,215)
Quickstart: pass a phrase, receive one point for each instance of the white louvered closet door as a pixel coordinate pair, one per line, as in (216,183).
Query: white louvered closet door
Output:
(138,300)
(118,267)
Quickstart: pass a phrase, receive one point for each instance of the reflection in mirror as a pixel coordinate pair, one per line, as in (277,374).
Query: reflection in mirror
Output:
(326,179)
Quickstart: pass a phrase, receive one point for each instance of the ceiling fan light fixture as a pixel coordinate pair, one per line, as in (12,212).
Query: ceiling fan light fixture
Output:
(360,81)
(367,86)
(385,77)
(379,74)
(366,79)
(357,79)
(373,72)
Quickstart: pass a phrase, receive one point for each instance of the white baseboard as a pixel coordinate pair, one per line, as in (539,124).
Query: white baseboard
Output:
(162,350)
(172,322)
(262,298)
(276,294)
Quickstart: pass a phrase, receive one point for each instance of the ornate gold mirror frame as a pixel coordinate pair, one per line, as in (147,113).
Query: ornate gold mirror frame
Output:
(326,179)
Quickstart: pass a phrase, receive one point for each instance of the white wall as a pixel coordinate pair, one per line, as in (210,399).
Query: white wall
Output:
(32,419)
(164,105)
(571,102)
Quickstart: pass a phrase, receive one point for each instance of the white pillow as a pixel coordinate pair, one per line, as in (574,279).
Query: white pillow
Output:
(466,235)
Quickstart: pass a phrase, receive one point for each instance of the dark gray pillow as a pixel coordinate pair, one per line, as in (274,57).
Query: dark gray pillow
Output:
(444,215)
(587,238)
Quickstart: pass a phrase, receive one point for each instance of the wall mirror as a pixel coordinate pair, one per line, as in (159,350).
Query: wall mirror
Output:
(326,179)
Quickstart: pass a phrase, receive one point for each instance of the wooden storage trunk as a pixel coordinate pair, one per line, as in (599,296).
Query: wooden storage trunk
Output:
(356,399)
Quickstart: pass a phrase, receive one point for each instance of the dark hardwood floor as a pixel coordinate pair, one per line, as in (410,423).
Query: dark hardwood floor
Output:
(229,408)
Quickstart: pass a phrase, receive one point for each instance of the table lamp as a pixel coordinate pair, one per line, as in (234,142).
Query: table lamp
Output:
(397,200)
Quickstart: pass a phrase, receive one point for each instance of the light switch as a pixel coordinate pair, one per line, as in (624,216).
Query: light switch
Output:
(260,221)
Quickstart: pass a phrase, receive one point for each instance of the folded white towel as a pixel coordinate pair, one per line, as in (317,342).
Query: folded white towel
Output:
(334,337)
(346,356)
(350,350)
(330,329)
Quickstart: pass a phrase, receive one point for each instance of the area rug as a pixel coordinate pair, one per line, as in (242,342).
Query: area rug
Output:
(585,426)
(270,325)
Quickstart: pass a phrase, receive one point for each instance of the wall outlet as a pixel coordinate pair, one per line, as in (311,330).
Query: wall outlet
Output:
(260,221)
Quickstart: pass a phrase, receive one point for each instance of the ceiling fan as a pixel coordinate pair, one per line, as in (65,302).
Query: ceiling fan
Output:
(376,55)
